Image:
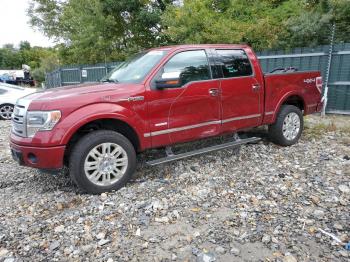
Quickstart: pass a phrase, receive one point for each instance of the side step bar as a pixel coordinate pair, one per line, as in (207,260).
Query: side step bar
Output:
(171,158)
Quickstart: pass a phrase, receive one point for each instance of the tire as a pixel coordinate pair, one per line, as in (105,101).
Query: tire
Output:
(288,127)
(91,163)
(6,111)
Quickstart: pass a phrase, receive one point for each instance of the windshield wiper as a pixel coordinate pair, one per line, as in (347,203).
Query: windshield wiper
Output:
(109,80)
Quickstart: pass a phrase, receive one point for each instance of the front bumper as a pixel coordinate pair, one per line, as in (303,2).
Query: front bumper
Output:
(38,157)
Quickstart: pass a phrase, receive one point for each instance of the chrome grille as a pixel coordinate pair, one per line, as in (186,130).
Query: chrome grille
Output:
(19,117)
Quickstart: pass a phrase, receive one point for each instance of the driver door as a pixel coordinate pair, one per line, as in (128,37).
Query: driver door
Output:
(188,106)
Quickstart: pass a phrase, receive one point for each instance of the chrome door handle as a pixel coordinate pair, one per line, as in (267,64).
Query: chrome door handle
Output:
(214,92)
(256,87)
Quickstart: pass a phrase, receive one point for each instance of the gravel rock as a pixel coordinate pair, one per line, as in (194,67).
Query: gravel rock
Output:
(162,219)
(206,257)
(138,232)
(3,252)
(54,245)
(59,229)
(266,239)
(235,251)
(344,253)
(344,189)
(289,258)
(318,213)
(220,250)
(104,196)
(103,242)
(263,202)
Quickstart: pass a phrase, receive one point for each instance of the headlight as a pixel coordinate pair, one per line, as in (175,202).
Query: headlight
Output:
(41,121)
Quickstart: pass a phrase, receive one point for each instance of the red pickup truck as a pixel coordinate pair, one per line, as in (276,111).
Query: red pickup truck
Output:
(158,98)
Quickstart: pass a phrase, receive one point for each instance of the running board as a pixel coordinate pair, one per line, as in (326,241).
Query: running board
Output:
(171,158)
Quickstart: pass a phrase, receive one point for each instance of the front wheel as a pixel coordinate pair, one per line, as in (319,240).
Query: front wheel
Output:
(288,127)
(102,161)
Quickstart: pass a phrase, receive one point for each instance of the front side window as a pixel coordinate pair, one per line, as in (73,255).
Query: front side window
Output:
(186,67)
(234,63)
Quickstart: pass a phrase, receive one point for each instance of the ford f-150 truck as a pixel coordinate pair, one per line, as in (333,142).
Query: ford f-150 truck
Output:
(158,98)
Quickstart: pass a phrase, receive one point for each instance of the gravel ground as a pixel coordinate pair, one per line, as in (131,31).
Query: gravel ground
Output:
(263,203)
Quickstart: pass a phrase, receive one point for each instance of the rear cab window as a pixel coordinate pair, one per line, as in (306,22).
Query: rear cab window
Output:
(233,63)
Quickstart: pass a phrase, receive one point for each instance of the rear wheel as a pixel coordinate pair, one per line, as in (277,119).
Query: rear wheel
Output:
(288,127)
(102,161)
(6,111)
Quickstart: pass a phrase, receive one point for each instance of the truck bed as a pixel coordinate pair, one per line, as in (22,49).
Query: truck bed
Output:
(280,86)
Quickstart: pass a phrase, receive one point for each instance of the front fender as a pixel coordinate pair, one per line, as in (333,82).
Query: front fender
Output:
(71,123)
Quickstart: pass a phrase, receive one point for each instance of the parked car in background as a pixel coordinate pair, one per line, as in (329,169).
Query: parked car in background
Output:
(7,78)
(8,97)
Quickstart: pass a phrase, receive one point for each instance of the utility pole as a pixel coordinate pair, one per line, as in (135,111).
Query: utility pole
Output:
(325,93)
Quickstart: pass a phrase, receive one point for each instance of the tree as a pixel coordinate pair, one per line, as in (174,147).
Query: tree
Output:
(24,45)
(9,57)
(98,30)
(48,63)
(261,23)
(92,31)
(341,17)
(257,23)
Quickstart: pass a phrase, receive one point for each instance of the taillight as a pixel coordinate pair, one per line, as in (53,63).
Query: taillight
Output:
(319,83)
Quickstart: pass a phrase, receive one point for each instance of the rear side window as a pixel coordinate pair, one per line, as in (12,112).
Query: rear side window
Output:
(234,63)
(187,66)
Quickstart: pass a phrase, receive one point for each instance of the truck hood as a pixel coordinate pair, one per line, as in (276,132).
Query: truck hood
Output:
(73,97)
(71,91)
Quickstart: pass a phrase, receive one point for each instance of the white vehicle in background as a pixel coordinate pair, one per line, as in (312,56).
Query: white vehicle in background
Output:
(8,97)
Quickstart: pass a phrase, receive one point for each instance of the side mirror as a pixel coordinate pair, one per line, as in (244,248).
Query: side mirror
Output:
(168,83)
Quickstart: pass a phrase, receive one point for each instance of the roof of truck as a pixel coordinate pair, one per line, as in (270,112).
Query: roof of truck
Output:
(174,47)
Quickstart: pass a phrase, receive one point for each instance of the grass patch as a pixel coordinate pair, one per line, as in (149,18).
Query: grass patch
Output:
(316,130)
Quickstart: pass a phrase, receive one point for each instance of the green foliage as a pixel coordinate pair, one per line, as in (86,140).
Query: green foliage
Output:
(9,58)
(341,17)
(39,75)
(308,29)
(255,22)
(92,31)
(99,30)
(261,23)
(48,62)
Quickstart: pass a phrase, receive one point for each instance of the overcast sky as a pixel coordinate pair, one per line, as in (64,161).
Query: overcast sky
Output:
(14,26)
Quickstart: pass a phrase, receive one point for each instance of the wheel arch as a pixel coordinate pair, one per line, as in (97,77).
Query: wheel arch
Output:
(294,99)
(103,123)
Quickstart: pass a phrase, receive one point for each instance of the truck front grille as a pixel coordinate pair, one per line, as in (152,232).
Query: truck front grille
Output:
(19,119)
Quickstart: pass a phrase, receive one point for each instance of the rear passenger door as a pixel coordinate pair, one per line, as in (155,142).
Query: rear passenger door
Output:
(241,94)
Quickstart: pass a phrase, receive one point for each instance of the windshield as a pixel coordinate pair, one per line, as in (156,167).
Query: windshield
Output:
(135,69)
